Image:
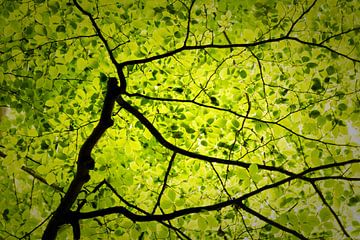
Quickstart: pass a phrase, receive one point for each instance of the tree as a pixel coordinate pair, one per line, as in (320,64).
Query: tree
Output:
(190,119)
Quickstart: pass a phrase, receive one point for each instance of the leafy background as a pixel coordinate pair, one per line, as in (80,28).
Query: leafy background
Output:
(273,84)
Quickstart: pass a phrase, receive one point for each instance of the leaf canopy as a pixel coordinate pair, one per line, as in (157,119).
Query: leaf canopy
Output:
(227,119)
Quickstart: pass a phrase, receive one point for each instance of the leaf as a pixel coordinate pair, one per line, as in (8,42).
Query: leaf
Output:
(243,74)
(177,34)
(73,25)
(50,178)
(166,204)
(50,103)
(29,30)
(330,70)
(314,114)
(119,232)
(286,200)
(177,134)
(202,223)
(210,121)
(311,65)
(196,166)
(235,123)
(42,169)
(214,101)
(253,169)
(276,113)
(60,28)
(316,86)
(324,214)
(342,106)
(212,222)
(182,107)
(305,59)
(5,214)
(171,194)
(61,156)
(38,74)
(54,7)
(190,130)
(103,77)
(178,89)
(354,200)
(242,173)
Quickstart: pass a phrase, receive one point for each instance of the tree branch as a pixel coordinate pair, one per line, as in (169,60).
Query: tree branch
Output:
(217,206)
(184,152)
(330,208)
(165,182)
(271,222)
(84,165)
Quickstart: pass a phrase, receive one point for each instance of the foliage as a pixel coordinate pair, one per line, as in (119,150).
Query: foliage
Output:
(230,120)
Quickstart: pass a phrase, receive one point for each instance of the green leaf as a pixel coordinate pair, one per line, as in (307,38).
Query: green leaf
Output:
(50,178)
(103,77)
(311,65)
(190,130)
(324,214)
(38,74)
(29,30)
(276,113)
(60,28)
(235,123)
(166,204)
(316,86)
(50,103)
(183,106)
(196,166)
(70,111)
(253,169)
(61,156)
(42,169)
(314,114)
(171,195)
(5,214)
(342,106)
(177,34)
(202,223)
(178,89)
(177,134)
(354,200)
(242,173)
(305,59)
(119,232)
(330,70)
(214,101)
(210,121)
(73,25)
(54,7)
(243,74)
